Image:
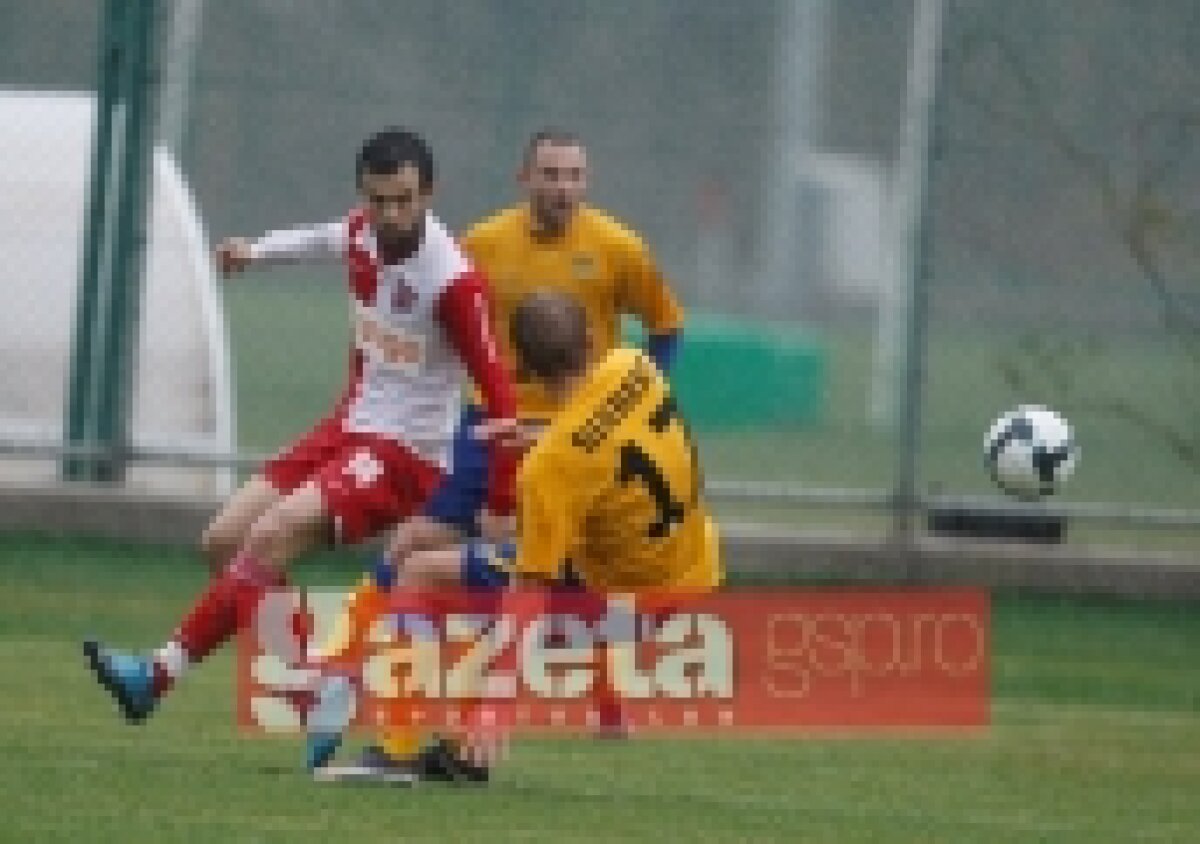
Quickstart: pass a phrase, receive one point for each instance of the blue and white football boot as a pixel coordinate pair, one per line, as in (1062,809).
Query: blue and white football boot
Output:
(128,677)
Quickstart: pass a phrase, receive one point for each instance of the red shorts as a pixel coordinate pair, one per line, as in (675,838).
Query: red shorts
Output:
(368,482)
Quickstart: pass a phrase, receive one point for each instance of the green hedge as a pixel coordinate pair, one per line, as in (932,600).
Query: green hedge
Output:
(732,374)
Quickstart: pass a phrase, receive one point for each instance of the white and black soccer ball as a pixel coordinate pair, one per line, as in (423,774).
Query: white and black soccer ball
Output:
(1030,451)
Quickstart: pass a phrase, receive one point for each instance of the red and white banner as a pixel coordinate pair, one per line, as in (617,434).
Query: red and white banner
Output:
(741,660)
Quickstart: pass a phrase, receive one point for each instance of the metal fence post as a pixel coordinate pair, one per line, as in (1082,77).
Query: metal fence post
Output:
(920,136)
(103,359)
(78,424)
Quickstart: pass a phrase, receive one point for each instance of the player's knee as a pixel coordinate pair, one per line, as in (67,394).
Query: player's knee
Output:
(219,543)
(433,567)
(417,535)
(290,527)
(270,535)
(401,543)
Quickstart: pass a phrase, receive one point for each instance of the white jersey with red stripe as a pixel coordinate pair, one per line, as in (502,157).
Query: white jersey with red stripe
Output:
(406,379)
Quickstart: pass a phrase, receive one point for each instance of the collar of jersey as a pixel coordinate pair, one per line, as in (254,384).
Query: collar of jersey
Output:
(566,237)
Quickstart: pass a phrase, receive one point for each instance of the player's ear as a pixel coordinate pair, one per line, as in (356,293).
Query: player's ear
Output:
(523,175)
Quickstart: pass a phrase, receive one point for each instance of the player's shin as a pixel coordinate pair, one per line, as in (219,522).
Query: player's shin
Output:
(340,659)
(224,608)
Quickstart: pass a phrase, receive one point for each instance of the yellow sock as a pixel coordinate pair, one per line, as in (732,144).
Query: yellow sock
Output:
(400,742)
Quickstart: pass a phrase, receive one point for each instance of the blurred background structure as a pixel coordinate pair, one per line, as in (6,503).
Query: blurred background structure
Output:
(891,220)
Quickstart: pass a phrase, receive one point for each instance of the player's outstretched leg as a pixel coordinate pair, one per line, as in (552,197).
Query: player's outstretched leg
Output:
(138,682)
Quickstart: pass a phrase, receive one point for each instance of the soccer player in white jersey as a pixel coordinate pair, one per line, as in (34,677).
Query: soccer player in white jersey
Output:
(421,329)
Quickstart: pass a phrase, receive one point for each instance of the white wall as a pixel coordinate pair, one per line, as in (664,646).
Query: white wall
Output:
(183,390)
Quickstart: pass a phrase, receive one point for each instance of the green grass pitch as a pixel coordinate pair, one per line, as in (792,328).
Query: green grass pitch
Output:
(1096,737)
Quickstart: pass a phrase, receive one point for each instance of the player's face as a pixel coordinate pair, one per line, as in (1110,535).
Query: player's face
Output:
(555,180)
(395,200)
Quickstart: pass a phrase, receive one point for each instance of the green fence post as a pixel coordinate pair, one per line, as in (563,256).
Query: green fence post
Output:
(922,136)
(143,78)
(103,360)
(112,54)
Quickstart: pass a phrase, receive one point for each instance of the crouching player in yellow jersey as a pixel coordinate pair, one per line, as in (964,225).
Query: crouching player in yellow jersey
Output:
(551,240)
(611,484)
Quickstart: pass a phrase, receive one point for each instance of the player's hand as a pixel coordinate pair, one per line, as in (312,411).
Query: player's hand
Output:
(518,434)
(485,741)
(494,528)
(233,255)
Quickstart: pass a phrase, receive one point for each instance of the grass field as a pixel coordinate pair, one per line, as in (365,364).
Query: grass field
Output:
(1096,737)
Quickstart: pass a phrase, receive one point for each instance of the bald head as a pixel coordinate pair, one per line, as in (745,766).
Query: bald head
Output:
(550,336)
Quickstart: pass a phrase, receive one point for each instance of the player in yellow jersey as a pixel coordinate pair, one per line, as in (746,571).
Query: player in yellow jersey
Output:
(555,241)
(611,486)
(552,240)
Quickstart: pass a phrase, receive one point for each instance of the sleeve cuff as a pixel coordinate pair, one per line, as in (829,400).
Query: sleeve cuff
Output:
(662,349)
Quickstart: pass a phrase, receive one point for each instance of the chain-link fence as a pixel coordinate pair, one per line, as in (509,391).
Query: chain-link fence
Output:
(1066,239)
(762,150)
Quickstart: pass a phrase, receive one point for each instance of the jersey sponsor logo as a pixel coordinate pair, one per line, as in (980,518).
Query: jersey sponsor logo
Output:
(389,347)
(779,659)
(583,267)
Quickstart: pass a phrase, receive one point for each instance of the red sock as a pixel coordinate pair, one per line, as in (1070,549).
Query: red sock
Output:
(222,610)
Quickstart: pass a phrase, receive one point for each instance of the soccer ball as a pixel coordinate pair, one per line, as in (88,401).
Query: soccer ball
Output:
(1030,451)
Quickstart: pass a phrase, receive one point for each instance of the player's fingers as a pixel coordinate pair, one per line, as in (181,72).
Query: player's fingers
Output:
(486,740)
(495,428)
(515,433)
(486,748)
(225,262)
(501,749)
(473,750)
(233,256)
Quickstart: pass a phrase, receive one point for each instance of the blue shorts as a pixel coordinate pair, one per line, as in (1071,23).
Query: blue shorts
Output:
(486,566)
(463,491)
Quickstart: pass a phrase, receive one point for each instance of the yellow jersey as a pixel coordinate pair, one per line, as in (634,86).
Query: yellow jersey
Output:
(613,486)
(601,263)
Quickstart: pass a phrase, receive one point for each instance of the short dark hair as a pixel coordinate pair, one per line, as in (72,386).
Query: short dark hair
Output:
(549,135)
(392,149)
(549,335)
